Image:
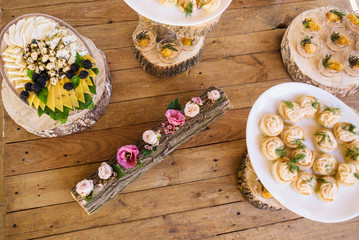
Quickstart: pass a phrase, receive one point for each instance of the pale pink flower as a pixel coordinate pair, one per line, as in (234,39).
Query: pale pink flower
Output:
(213,95)
(127,156)
(197,100)
(150,137)
(191,109)
(175,117)
(105,171)
(85,187)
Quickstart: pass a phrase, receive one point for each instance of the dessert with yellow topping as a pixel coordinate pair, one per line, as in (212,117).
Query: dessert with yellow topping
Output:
(334,17)
(352,64)
(188,43)
(353,22)
(311,24)
(329,65)
(144,39)
(169,50)
(309,45)
(338,39)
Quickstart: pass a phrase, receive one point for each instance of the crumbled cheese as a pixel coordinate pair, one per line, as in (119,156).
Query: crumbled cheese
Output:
(50,66)
(53,43)
(63,53)
(34,56)
(53,32)
(68,39)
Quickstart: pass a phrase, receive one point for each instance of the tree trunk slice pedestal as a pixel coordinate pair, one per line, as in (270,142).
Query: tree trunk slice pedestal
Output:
(251,188)
(306,70)
(44,126)
(104,192)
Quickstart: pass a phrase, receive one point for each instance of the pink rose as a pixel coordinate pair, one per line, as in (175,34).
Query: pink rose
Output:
(191,109)
(85,187)
(127,156)
(175,117)
(105,171)
(213,95)
(150,137)
(197,100)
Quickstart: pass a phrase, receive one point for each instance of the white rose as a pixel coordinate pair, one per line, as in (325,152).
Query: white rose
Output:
(213,95)
(150,137)
(105,171)
(191,109)
(85,187)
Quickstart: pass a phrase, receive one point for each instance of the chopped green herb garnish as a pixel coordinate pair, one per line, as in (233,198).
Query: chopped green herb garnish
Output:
(353,60)
(352,128)
(142,35)
(289,104)
(307,40)
(189,9)
(352,154)
(331,109)
(326,61)
(306,22)
(322,180)
(340,14)
(169,46)
(280,152)
(356,175)
(316,104)
(299,142)
(335,36)
(323,135)
(298,157)
(293,168)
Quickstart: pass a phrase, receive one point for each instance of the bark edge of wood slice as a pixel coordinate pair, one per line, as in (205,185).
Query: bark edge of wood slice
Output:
(306,70)
(44,126)
(151,62)
(251,188)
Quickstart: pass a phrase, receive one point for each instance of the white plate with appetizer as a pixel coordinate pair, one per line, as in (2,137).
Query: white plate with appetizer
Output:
(180,12)
(302,142)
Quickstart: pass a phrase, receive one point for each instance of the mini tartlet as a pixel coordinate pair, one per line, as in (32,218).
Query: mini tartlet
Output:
(327,189)
(271,125)
(310,106)
(306,155)
(352,64)
(324,140)
(334,17)
(293,136)
(330,65)
(273,148)
(291,112)
(329,117)
(305,183)
(353,22)
(169,50)
(345,132)
(338,39)
(282,172)
(347,174)
(144,38)
(325,165)
(309,45)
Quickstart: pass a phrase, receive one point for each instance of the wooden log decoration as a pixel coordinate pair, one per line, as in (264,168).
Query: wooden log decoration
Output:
(306,70)
(252,189)
(166,137)
(44,126)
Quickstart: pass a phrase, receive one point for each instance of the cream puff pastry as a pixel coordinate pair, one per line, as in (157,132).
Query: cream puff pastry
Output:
(329,117)
(273,148)
(281,171)
(307,160)
(345,132)
(291,112)
(271,125)
(326,165)
(324,140)
(310,106)
(305,183)
(293,136)
(347,174)
(327,189)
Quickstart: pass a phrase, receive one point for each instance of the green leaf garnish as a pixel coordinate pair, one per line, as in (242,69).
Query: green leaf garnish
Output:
(356,175)
(169,46)
(352,154)
(88,104)
(298,157)
(353,60)
(93,87)
(142,35)
(340,14)
(307,40)
(335,36)
(293,168)
(79,59)
(326,61)
(30,73)
(118,170)
(57,114)
(75,80)
(331,109)
(42,95)
(306,22)
(95,70)
(189,9)
(316,104)
(289,104)
(175,105)
(89,197)
(322,180)
(352,128)
(280,152)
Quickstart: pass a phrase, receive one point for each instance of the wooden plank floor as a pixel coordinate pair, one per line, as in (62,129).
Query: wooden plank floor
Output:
(193,193)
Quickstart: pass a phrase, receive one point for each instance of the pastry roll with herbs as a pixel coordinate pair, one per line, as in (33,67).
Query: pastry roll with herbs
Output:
(305,183)
(291,112)
(327,189)
(293,136)
(284,171)
(305,157)
(325,165)
(324,140)
(271,125)
(352,153)
(329,117)
(310,106)
(347,174)
(345,132)
(273,148)
(188,6)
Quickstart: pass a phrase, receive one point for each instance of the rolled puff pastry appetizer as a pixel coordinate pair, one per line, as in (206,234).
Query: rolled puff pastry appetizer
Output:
(210,5)
(325,165)
(327,189)
(305,183)
(282,171)
(329,117)
(187,6)
(352,153)
(347,174)
(291,112)
(293,136)
(310,106)
(307,160)
(273,148)
(168,3)
(345,132)
(271,125)
(325,141)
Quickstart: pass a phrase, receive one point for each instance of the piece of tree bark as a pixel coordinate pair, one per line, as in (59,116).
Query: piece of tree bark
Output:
(306,70)
(208,113)
(44,126)
(252,189)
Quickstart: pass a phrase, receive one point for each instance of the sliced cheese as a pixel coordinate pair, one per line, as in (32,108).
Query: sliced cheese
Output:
(31,98)
(66,100)
(42,105)
(88,81)
(80,93)
(58,98)
(36,102)
(51,98)
(84,86)
(72,94)
(89,58)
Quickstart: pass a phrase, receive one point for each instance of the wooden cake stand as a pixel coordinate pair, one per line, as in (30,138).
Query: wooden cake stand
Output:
(306,70)
(44,126)
(150,60)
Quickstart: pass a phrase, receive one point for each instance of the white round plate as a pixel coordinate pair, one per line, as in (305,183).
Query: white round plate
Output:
(346,205)
(155,11)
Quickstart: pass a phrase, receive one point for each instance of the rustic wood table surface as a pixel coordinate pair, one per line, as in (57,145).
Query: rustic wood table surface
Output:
(192,194)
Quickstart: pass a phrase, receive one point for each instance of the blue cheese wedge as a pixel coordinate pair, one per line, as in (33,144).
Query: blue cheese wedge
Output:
(53,32)
(68,39)
(63,53)
(53,43)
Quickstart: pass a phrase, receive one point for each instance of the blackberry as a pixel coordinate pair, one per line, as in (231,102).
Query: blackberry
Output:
(70,74)
(24,95)
(28,86)
(74,67)
(87,64)
(36,88)
(83,74)
(41,81)
(68,86)
(35,76)
(45,76)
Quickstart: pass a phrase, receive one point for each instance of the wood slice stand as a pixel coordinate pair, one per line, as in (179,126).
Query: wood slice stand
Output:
(251,187)
(46,127)
(150,60)
(306,70)
(103,193)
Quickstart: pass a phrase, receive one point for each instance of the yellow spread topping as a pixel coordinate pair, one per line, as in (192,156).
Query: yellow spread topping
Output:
(167,52)
(311,25)
(353,19)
